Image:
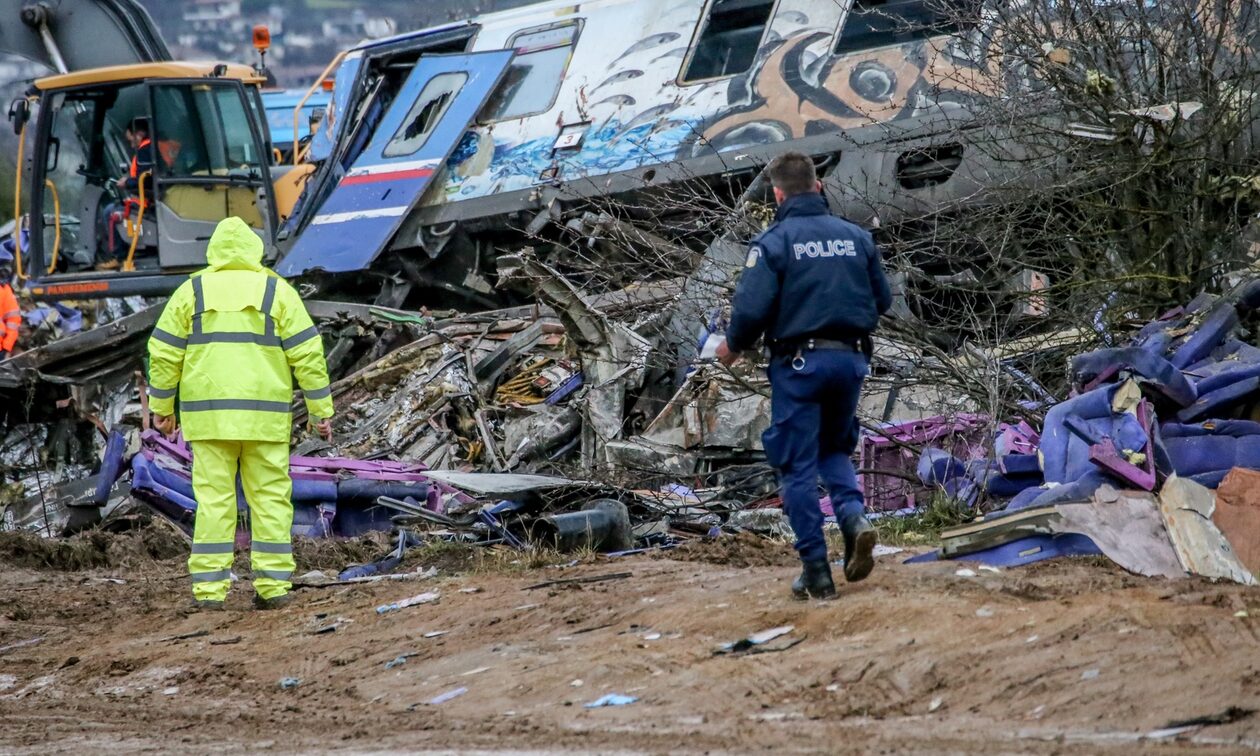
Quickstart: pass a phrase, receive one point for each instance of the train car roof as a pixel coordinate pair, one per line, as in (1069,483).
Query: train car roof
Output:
(550,9)
(142,71)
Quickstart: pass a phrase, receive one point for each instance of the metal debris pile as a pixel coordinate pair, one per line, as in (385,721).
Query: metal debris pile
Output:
(1127,466)
(509,427)
(577,423)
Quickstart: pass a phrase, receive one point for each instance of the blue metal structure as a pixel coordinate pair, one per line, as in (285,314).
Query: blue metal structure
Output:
(278,105)
(417,134)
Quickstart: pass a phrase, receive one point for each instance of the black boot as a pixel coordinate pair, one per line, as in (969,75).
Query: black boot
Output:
(815,581)
(859,545)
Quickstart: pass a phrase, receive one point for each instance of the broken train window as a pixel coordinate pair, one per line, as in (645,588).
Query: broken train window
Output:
(532,81)
(729,39)
(877,23)
(425,113)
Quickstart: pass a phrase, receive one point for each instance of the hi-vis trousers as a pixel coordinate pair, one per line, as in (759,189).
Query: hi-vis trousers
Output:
(264,468)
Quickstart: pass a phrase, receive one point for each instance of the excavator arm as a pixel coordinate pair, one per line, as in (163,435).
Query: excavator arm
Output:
(72,35)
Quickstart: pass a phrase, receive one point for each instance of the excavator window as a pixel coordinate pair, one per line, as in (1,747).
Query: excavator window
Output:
(67,168)
(211,165)
(203,131)
(82,207)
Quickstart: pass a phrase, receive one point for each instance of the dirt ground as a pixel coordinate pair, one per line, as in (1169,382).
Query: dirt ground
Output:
(101,654)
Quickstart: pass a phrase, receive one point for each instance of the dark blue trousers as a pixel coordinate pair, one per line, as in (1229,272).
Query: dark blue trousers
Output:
(814,432)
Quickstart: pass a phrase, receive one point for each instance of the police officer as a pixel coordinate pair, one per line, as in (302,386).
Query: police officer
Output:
(814,285)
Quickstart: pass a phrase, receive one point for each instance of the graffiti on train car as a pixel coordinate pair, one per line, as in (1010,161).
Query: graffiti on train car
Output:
(786,99)
(796,87)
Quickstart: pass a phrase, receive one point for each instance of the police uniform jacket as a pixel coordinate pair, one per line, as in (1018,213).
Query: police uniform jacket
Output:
(809,275)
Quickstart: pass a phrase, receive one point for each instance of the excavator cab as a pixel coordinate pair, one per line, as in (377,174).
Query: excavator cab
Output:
(208,157)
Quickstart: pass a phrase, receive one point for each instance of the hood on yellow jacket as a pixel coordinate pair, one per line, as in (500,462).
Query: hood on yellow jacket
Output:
(234,246)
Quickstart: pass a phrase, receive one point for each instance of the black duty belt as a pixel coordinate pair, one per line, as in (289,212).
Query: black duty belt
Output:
(789,348)
(797,348)
(813,344)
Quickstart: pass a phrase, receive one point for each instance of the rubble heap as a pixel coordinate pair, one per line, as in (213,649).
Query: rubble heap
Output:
(1151,429)
(555,423)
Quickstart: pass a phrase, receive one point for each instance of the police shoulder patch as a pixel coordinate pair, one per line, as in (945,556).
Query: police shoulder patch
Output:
(754,254)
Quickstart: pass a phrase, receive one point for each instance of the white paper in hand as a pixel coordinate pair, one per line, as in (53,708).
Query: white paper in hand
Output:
(708,352)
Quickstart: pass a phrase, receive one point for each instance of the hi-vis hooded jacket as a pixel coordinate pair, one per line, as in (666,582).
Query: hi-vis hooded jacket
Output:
(230,341)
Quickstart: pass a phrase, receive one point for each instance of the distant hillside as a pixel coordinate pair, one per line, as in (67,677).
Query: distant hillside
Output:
(410,14)
(306,33)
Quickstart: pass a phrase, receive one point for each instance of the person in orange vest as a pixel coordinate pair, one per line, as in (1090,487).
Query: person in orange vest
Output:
(117,244)
(10,314)
(139,137)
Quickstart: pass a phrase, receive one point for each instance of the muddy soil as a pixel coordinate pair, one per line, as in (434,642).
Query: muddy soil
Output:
(136,549)
(1065,656)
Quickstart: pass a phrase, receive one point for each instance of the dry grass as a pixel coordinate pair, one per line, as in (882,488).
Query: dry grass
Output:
(924,528)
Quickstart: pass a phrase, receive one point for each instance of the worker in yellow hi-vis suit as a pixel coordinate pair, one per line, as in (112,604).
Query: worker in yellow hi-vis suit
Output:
(230,340)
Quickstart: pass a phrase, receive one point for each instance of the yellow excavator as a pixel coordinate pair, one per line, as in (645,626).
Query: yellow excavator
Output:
(84,234)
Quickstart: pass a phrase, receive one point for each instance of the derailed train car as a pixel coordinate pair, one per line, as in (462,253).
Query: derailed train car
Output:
(441,146)
(445,147)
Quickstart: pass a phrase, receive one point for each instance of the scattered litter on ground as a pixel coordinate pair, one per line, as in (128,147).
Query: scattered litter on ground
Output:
(447,696)
(580,581)
(322,625)
(423,598)
(398,661)
(186,636)
(611,699)
(756,639)
(289,683)
(20,644)
(318,579)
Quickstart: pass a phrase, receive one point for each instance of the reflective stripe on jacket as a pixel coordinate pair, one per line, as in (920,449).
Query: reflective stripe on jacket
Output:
(230,341)
(10,318)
